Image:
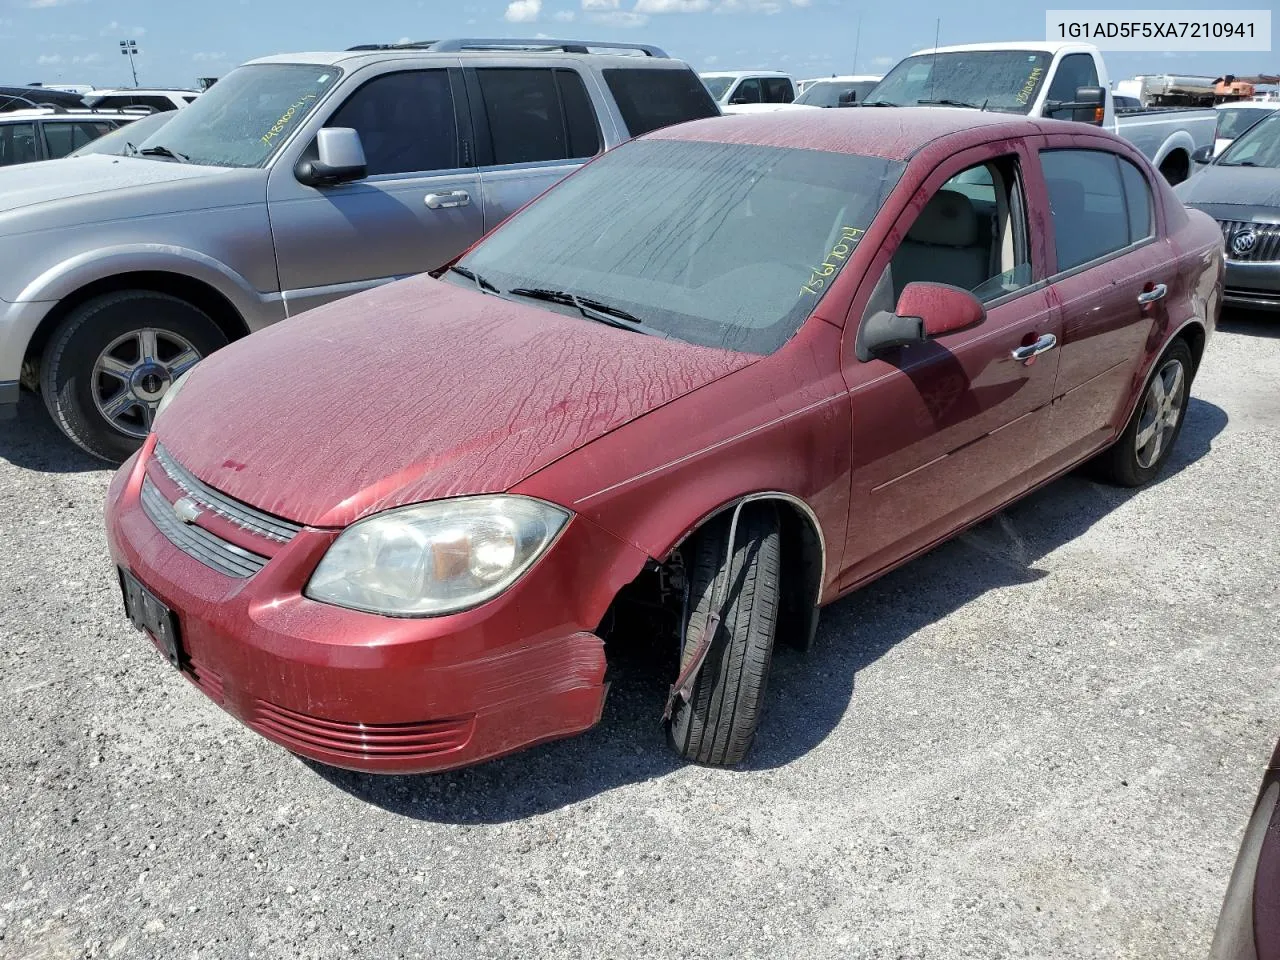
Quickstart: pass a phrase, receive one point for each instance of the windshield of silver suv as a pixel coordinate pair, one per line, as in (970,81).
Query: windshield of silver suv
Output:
(717,244)
(244,118)
(1003,80)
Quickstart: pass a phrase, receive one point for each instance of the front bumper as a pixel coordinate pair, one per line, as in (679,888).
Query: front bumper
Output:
(375,693)
(1253,286)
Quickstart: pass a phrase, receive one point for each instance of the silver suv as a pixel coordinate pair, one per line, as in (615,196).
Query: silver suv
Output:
(295,180)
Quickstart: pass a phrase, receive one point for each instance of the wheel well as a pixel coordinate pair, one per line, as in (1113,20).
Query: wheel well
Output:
(195,292)
(1194,337)
(1176,166)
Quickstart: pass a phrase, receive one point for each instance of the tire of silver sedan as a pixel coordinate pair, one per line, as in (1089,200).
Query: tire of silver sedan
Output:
(111,360)
(1148,439)
(718,723)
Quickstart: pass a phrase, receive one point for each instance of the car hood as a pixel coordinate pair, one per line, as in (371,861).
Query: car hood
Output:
(76,177)
(1217,186)
(416,391)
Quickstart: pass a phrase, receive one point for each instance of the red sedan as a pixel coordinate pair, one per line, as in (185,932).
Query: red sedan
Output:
(730,371)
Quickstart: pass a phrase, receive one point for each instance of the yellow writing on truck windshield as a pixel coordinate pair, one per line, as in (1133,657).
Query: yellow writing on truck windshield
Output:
(279,126)
(1029,87)
(839,253)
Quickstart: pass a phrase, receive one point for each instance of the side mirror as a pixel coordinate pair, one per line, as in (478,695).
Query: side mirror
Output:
(340,159)
(924,311)
(736,99)
(1203,155)
(1090,105)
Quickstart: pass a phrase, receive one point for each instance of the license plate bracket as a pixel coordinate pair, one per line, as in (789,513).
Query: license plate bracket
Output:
(149,614)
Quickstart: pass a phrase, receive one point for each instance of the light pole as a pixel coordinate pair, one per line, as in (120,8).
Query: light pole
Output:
(130,49)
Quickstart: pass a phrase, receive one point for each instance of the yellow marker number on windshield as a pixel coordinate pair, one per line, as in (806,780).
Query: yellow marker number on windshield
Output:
(1029,87)
(838,254)
(283,122)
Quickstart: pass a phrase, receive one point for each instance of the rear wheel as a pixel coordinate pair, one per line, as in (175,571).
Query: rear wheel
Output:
(719,722)
(112,359)
(1148,439)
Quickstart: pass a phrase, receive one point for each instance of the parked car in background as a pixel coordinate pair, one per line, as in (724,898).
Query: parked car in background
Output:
(732,370)
(27,136)
(162,100)
(295,180)
(24,98)
(1241,190)
(1235,118)
(733,88)
(1062,81)
(123,141)
(837,91)
(1249,924)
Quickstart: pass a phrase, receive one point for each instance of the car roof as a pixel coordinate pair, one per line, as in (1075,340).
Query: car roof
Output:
(850,78)
(1040,46)
(358,57)
(743,73)
(121,91)
(893,133)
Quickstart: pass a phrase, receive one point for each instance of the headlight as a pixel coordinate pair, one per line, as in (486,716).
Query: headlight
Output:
(174,389)
(435,558)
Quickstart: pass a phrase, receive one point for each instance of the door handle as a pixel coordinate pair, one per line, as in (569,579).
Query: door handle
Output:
(1157,291)
(443,201)
(1031,351)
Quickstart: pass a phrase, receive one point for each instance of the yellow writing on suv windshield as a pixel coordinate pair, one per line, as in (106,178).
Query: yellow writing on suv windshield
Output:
(838,254)
(283,122)
(1029,87)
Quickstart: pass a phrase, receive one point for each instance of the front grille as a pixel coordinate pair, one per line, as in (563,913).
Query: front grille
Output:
(242,515)
(357,741)
(210,550)
(1266,244)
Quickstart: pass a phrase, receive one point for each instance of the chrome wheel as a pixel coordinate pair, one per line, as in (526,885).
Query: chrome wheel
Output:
(1161,411)
(133,373)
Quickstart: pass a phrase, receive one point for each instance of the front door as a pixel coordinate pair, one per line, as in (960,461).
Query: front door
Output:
(1110,279)
(419,206)
(948,430)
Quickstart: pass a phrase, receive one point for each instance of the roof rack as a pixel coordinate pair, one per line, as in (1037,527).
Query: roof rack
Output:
(538,45)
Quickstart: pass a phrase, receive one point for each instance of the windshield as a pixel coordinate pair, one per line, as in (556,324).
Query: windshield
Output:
(117,141)
(246,116)
(1236,120)
(718,86)
(826,93)
(1259,146)
(722,245)
(1004,80)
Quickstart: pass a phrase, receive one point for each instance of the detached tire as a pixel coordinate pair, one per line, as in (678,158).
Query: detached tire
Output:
(112,358)
(719,722)
(1153,429)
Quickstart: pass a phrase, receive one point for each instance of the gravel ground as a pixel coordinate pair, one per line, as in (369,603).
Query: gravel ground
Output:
(1041,740)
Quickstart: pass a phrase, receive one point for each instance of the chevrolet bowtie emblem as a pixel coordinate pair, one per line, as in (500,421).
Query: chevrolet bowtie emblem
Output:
(186,510)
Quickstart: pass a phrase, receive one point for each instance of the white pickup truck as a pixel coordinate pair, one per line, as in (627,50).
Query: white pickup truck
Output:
(1063,81)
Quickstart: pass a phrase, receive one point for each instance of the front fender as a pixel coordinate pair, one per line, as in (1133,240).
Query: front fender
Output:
(68,276)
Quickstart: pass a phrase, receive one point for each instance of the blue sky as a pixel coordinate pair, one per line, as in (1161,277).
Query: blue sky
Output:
(76,41)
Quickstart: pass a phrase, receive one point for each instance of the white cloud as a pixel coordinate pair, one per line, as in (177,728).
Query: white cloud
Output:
(49,59)
(712,60)
(87,58)
(114,29)
(523,11)
(565,16)
(596,5)
(883,61)
(620,18)
(749,6)
(801,3)
(44,4)
(405,40)
(208,57)
(672,6)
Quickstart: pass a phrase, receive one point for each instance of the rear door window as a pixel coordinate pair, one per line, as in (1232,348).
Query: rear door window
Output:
(655,98)
(1097,208)
(537,115)
(63,136)
(748,91)
(777,90)
(405,120)
(18,143)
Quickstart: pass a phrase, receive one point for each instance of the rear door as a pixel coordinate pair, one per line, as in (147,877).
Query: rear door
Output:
(63,136)
(534,125)
(1112,272)
(948,430)
(420,205)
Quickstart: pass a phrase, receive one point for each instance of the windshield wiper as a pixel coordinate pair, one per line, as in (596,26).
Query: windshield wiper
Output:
(1237,163)
(591,309)
(880,103)
(162,151)
(483,285)
(954,103)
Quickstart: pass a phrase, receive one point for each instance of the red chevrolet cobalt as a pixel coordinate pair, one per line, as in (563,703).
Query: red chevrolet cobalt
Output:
(729,371)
